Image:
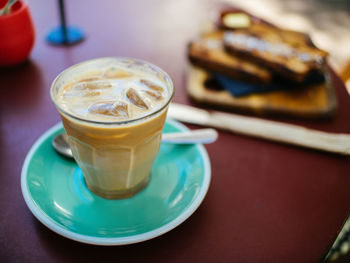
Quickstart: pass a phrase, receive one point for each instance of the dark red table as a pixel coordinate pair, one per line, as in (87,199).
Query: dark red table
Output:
(267,202)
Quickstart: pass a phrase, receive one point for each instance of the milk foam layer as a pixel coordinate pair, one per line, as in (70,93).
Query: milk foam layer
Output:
(112,91)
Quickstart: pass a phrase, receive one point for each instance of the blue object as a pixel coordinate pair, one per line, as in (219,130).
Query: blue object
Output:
(240,89)
(65,36)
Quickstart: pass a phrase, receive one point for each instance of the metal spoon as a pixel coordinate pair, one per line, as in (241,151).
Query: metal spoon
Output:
(60,142)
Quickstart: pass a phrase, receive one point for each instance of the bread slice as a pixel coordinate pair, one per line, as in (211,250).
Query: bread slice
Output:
(288,53)
(208,52)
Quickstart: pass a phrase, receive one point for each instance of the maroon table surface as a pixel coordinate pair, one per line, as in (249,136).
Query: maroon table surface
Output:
(267,202)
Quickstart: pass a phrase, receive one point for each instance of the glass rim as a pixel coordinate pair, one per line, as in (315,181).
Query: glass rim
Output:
(85,120)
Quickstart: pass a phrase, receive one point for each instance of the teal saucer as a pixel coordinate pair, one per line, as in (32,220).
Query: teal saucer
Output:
(55,192)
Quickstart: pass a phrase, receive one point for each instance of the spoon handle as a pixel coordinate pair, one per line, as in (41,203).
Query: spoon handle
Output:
(189,137)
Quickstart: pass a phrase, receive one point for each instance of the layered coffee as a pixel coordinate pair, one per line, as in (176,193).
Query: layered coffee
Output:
(114,111)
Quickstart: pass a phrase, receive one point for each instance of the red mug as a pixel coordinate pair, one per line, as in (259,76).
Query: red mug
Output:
(16,34)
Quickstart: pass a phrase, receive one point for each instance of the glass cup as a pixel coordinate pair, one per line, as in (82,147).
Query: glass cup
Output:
(116,157)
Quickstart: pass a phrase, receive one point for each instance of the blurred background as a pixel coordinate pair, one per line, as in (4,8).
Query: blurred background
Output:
(327,22)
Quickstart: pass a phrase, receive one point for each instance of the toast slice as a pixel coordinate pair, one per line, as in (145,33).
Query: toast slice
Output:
(208,52)
(285,52)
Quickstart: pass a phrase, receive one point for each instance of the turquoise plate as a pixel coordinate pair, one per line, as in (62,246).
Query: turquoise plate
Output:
(55,192)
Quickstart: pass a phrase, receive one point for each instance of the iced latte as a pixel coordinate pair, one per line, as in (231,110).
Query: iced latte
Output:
(113,110)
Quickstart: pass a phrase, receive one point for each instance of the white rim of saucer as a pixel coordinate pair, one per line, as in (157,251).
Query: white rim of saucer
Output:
(54,226)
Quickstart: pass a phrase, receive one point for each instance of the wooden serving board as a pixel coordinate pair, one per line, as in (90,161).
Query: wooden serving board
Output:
(314,101)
